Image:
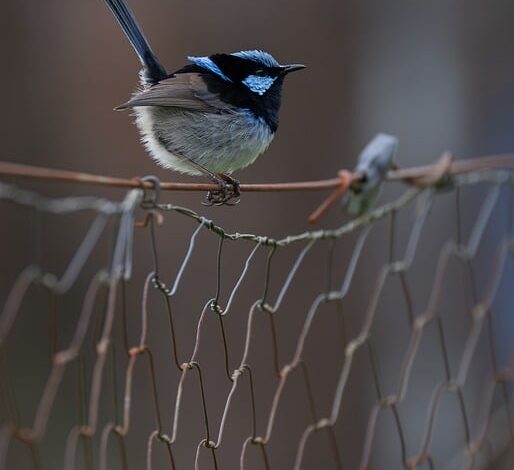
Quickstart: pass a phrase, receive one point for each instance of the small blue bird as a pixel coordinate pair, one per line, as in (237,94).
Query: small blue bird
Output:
(211,117)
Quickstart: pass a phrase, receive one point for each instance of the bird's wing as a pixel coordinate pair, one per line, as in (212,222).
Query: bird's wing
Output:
(185,90)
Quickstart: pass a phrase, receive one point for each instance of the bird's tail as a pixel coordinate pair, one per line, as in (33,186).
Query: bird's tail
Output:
(154,71)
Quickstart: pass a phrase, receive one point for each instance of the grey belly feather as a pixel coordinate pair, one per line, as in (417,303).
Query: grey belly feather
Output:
(221,143)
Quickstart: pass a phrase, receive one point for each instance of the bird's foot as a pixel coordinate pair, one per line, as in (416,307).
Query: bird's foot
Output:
(228,190)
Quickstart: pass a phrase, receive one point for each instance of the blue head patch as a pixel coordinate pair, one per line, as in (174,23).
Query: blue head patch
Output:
(260,57)
(259,84)
(208,64)
(254,70)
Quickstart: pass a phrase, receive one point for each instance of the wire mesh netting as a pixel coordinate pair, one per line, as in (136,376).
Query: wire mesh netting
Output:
(385,343)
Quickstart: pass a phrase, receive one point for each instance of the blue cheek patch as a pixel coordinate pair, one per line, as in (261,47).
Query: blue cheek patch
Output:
(209,65)
(257,84)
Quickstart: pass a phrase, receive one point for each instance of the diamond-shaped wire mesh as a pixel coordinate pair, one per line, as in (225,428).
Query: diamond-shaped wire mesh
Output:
(245,351)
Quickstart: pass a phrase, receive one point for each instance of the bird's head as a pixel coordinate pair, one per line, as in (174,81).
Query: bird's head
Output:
(257,70)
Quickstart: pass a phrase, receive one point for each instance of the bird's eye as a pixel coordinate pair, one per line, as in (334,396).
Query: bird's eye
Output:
(260,73)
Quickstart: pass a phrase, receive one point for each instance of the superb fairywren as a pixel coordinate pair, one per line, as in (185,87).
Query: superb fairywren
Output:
(213,116)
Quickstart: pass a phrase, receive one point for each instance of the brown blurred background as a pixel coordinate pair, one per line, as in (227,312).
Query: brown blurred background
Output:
(438,75)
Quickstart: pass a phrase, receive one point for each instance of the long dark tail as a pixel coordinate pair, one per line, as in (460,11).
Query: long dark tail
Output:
(154,71)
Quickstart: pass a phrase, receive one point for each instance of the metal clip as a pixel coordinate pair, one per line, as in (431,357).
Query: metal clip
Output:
(375,160)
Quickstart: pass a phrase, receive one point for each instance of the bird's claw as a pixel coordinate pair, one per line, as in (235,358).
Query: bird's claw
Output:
(228,190)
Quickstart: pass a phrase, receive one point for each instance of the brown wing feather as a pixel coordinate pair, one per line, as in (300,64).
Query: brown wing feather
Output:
(185,90)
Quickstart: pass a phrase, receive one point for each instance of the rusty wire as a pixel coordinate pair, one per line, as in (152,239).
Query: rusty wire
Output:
(414,175)
(110,283)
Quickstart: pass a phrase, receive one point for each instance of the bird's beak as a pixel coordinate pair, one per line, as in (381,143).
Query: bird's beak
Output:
(291,68)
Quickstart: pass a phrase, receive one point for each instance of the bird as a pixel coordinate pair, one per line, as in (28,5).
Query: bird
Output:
(211,117)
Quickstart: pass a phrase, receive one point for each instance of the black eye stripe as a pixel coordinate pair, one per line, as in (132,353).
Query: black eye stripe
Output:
(267,72)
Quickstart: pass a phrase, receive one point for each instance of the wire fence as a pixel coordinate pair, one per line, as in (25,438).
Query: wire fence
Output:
(292,355)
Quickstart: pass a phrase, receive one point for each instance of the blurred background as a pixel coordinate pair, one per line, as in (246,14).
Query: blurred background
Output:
(438,75)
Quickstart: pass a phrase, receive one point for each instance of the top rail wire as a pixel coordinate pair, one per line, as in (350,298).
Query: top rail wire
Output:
(408,175)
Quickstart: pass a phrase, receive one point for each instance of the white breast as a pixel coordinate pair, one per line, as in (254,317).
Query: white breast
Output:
(221,143)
